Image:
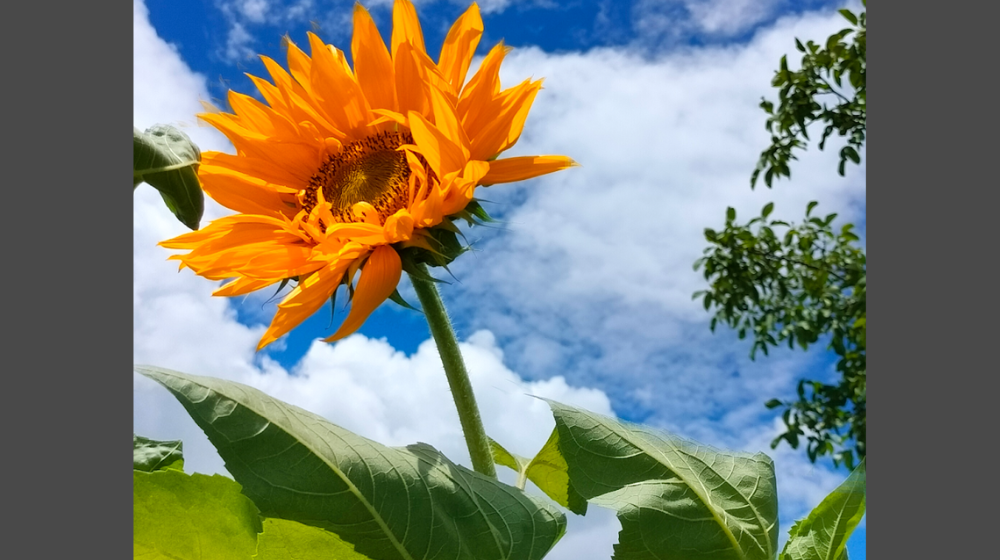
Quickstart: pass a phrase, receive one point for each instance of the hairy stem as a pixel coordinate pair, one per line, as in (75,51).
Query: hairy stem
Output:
(458,376)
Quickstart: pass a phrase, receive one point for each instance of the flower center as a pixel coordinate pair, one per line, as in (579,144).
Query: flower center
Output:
(368,170)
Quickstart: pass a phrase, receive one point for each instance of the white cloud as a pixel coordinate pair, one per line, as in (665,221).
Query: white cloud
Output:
(238,42)
(588,284)
(729,17)
(675,19)
(253,10)
(591,274)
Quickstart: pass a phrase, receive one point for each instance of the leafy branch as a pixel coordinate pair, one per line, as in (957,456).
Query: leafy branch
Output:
(843,56)
(795,288)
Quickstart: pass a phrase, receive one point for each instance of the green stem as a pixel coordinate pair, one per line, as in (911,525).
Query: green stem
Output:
(458,376)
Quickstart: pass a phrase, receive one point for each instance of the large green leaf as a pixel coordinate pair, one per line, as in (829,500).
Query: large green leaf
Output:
(176,516)
(390,503)
(168,160)
(547,469)
(150,455)
(823,534)
(675,499)
(290,540)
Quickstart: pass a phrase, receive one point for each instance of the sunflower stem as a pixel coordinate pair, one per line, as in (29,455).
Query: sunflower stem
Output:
(458,376)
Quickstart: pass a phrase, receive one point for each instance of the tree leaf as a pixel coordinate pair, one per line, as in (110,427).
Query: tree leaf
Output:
(150,455)
(176,516)
(389,503)
(167,159)
(768,208)
(675,499)
(823,534)
(289,540)
(548,470)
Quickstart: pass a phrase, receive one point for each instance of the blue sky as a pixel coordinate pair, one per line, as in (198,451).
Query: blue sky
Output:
(583,290)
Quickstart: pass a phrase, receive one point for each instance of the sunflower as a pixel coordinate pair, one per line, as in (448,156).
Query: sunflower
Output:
(343,168)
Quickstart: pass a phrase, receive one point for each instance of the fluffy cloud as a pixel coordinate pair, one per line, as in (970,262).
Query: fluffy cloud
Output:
(590,274)
(664,21)
(583,296)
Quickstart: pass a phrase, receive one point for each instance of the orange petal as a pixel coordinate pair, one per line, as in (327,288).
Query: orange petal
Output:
(475,104)
(298,99)
(261,117)
(300,65)
(504,129)
(459,47)
(379,278)
(242,192)
(410,87)
(242,286)
(369,234)
(298,155)
(311,293)
(398,227)
(443,155)
(524,167)
(337,91)
(447,121)
(386,116)
(406,27)
(372,63)
(278,179)
(462,188)
(271,94)
(219,228)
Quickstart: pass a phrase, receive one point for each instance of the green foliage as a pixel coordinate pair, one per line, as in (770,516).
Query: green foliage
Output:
(150,455)
(547,469)
(389,503)
(796,284)
(288,540)
(674,498)
(829,87)
(176,516)
(167,159)
(823,534)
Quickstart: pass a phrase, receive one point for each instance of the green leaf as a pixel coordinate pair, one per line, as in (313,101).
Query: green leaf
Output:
(288,540)
(150,455)
(389,503)
(768,208)
(176,516)
(677,498)
(810,206)
(507,459)
(168,160)
(849,16)
(547,469)
(730,214)
(823,534)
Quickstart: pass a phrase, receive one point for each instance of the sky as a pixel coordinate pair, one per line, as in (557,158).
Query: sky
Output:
(582,290)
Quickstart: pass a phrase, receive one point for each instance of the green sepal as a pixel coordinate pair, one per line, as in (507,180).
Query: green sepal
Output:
(397,298)
(474,214)
(409,266)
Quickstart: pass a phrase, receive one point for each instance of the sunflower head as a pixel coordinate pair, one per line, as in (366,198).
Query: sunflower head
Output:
(357,171)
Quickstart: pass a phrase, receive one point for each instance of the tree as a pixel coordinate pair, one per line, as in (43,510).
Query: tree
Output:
(787,283)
